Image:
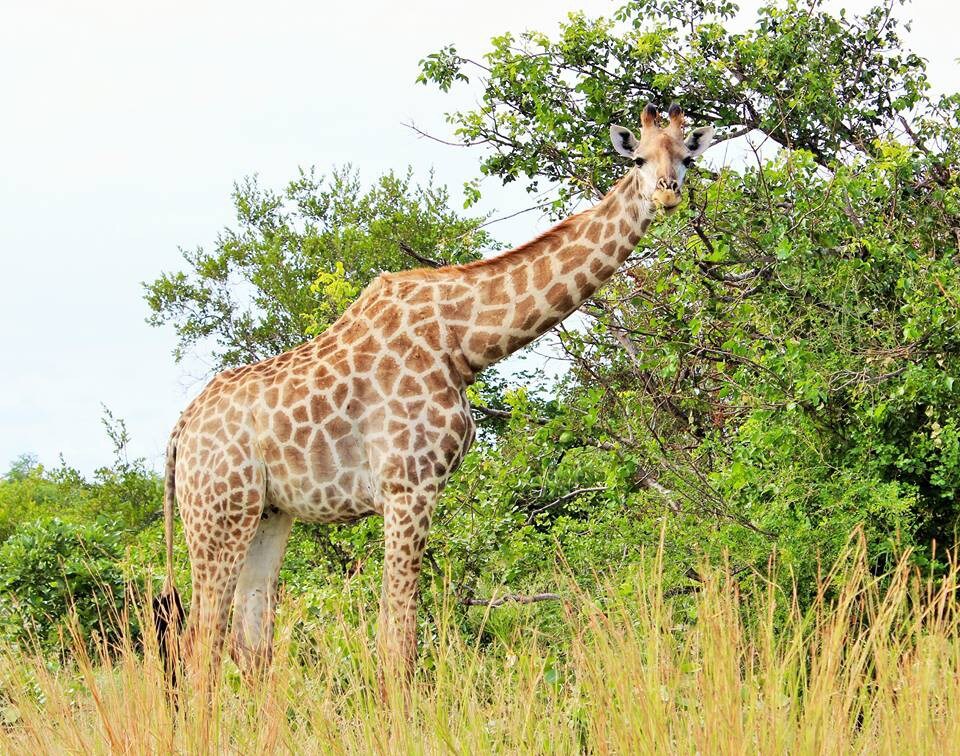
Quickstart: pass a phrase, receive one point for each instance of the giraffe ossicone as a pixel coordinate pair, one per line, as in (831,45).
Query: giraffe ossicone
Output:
(371,417)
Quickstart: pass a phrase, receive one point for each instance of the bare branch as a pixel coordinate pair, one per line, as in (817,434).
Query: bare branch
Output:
(917,142)
(514,597)
(506,414)
(567,497)
(506,217)
(945,292)
(851,215)
(429,262)
(649,482)
(423,133)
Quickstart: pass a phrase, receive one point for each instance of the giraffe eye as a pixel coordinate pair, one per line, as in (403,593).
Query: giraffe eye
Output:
(688,161)
(639,161)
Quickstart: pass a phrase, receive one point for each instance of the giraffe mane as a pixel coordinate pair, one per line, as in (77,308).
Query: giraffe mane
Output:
(493,264)
(554,232)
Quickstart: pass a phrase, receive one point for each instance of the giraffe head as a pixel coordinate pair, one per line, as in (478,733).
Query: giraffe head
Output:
(661,155)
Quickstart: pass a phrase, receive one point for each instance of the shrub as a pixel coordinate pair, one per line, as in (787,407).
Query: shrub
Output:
(50,569)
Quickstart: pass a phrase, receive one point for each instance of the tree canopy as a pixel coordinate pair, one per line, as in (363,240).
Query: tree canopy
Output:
(297,258)
(781,355)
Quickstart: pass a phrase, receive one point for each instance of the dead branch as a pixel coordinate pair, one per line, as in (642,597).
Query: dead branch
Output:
(514,597)
(429,262)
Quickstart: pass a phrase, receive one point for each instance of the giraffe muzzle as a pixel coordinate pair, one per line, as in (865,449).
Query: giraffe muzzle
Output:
(667,199)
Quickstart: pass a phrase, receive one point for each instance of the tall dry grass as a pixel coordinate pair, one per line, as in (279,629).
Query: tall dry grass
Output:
(873,667)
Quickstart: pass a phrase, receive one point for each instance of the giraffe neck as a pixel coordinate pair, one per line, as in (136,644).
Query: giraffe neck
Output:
(525,292)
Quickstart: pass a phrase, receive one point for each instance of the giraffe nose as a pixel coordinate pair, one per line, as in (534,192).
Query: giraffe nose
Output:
(667,193)
(668,185)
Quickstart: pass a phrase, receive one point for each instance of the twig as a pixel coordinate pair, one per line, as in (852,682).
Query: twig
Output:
(420,258)
(426,135)
(917,142)
(567,497)
(649,482)
(945,292)
(505,217)
(514,597)
(851,215)
(506,414)
(734,134)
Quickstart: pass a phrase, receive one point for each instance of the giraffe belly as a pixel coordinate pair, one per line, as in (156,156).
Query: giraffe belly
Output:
(323,499)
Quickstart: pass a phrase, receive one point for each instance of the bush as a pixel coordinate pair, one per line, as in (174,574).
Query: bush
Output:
(51,569)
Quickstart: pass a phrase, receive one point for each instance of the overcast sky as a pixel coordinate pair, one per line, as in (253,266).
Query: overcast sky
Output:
(124,126)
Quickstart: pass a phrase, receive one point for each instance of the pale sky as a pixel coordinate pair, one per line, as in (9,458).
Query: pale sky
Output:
(124,126)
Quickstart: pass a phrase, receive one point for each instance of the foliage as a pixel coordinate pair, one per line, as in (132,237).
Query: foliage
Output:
(297,258)
(779,364)
(123,496)
(63,540)
(825,84)
(51,570)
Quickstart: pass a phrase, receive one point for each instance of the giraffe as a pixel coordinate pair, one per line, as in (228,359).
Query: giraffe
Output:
(371,417)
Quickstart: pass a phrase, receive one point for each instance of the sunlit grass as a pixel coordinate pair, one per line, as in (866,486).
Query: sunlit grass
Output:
(873,667)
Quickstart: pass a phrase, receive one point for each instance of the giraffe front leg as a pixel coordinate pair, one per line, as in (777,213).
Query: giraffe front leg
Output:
(406,521)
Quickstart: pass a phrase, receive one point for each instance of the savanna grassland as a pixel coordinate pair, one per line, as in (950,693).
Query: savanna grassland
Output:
(873,666)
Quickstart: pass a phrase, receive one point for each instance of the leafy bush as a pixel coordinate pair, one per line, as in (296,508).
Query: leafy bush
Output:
(51,569)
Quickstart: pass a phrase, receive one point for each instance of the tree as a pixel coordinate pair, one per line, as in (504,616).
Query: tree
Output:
(829,85)
(297,258)
(782,355)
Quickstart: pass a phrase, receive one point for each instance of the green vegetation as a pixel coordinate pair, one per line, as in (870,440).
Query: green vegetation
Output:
(782,355)
(65,543)
(52,569)
(777,367)
(272,282)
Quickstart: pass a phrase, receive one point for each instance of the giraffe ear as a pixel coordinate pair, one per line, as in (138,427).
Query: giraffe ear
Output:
(623,140)
(699,140)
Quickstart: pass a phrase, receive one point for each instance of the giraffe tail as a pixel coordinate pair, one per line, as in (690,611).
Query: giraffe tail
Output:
(167,607)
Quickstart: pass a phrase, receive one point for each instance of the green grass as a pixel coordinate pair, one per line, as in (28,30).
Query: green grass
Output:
(873,667)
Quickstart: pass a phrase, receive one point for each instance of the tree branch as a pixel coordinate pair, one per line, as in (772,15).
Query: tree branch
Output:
(567,497)
(426,135)
(514,597)
(734,134)
(429,262)
(506,414)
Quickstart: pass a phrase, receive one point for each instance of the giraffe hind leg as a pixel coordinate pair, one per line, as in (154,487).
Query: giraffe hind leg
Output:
(219,525)
(255,597)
